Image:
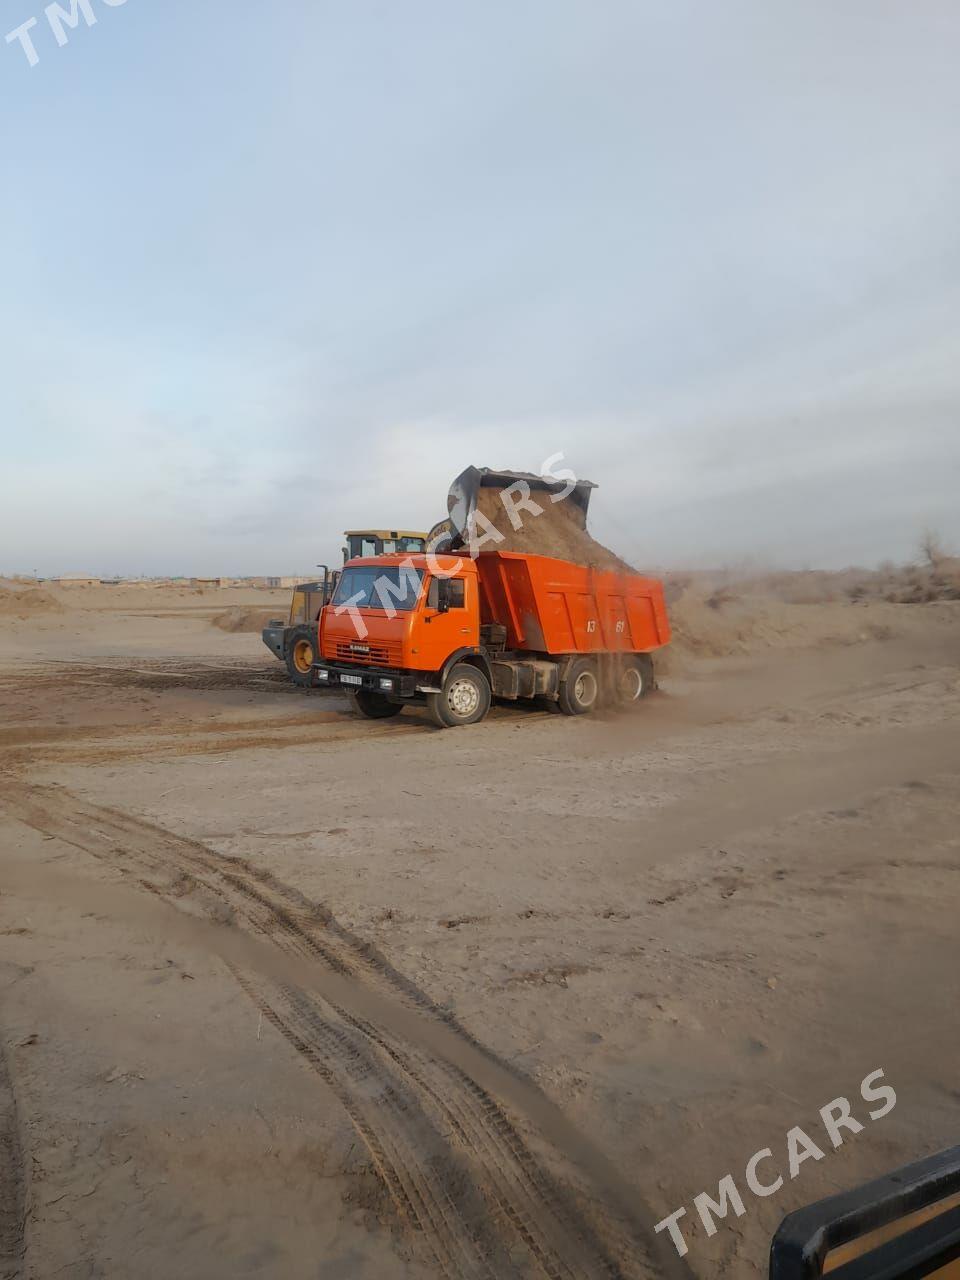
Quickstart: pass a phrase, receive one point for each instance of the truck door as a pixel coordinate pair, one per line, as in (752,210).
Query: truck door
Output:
(455,627)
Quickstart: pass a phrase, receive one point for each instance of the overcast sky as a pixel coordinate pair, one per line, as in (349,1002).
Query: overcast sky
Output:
(270,271)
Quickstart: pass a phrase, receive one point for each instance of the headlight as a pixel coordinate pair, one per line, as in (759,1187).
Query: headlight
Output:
(323,675)
(386,684)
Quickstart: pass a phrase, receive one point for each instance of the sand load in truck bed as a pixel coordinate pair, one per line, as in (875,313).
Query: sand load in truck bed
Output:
(558,530)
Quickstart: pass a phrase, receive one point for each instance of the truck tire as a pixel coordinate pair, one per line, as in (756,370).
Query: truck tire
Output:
(464,699)
(373,705)
(635,680)
(580,690)
(301,654)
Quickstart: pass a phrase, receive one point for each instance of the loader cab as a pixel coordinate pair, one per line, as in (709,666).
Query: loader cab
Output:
(366,543)
(309,597)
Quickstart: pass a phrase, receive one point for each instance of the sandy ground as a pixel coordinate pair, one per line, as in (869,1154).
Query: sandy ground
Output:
(608,959)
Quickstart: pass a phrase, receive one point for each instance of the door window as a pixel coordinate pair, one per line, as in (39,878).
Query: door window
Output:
(456,596)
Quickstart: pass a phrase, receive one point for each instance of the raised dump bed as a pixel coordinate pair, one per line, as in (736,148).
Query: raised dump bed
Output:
(555,607)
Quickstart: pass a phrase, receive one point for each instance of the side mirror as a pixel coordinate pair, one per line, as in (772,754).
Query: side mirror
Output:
(904,1225)
(443,595)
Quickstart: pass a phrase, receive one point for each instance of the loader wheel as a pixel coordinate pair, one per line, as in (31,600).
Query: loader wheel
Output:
(301,655)
(375,706)
(465,698)
(635,680)
(580,691)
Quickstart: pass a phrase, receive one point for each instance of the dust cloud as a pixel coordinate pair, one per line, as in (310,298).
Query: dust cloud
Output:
(243,620)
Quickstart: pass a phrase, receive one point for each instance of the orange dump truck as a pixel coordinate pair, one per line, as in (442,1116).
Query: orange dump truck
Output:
(455,632)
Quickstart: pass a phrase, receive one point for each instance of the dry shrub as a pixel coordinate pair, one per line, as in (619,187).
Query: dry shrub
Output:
(911,584)
(722,596)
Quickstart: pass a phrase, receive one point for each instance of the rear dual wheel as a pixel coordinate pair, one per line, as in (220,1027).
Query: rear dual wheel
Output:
(580,688)
(635,680)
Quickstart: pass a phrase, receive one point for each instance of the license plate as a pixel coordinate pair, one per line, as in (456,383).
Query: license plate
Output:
(351,679)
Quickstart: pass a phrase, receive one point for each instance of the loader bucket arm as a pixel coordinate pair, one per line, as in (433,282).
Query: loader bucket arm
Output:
(465,490)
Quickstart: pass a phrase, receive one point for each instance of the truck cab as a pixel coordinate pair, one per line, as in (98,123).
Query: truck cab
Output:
(394,626)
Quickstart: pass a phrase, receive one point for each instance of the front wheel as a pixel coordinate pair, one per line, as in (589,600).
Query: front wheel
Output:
(580,691)
(464,699)
(301,655)
(375,706)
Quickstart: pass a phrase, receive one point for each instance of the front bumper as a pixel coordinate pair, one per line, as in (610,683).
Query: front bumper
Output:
(400,684)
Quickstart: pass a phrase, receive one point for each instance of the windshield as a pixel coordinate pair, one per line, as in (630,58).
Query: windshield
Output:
(380,587)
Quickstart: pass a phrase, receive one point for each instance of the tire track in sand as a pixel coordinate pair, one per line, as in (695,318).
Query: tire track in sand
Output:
(476,1199)
(12,1178)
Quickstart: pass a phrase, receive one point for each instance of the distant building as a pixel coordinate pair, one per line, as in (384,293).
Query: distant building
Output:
(206,582)
(288,580)
(76,580)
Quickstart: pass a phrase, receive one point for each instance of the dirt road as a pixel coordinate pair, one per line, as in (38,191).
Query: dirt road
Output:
(631,952)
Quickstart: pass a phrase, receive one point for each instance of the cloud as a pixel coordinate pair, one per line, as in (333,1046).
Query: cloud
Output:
(709,254)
